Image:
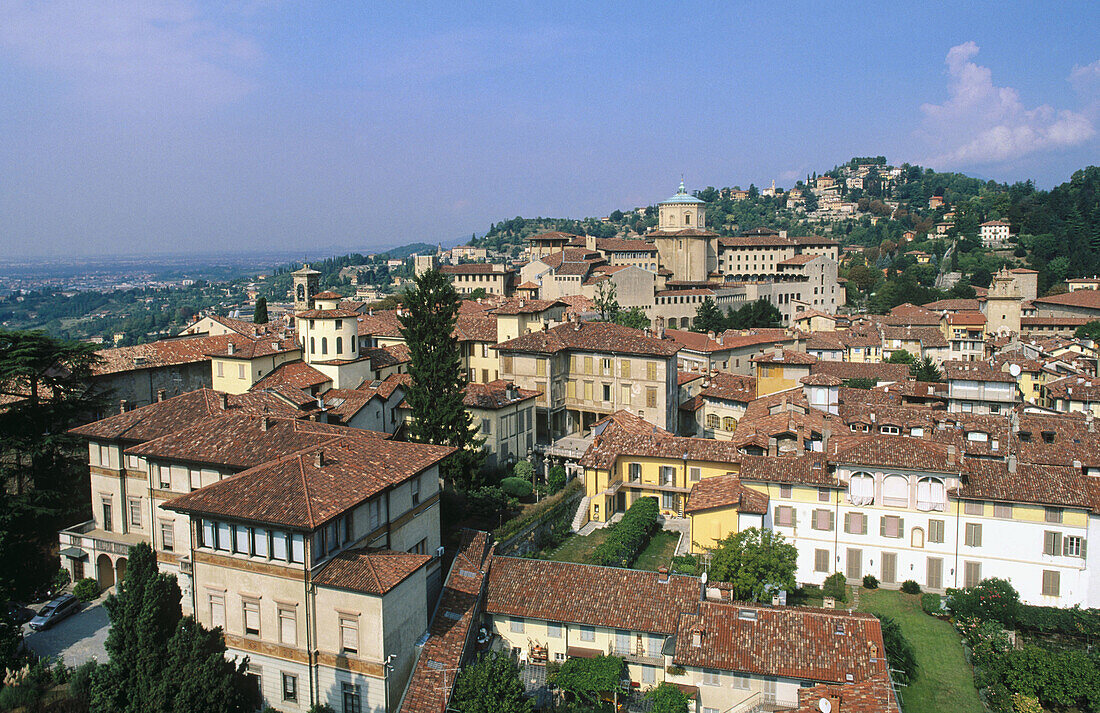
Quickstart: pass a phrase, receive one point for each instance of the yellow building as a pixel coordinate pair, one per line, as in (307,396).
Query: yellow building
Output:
(780,369)
(243,362)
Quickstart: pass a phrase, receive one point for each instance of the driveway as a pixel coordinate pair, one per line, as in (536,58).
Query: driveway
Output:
(75,639)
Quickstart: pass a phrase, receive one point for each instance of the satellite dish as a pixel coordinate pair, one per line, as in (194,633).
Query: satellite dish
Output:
(825,706)
(1014,369)
(703,578)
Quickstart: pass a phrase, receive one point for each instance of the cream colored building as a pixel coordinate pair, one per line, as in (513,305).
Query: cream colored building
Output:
(240,364)
(495,279)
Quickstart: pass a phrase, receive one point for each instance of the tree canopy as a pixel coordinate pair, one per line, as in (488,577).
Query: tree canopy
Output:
(755,562)
(490,685)
(588,680)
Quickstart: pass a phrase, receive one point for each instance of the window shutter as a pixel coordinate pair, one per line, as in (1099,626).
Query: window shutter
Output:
(848,522)
(1048,543)
(882,526)
(1057,542)
(832,520)
(901,527)
(1084,542)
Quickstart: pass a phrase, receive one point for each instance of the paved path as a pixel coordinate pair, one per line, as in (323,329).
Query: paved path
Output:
(75,639)
(682,526)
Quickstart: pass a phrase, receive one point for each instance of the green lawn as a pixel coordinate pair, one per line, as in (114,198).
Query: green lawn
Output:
(945,681)
(659,551)
(577,548)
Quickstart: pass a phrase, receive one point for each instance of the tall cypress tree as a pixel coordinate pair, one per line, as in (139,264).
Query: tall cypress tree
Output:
(260,315)
(438,382)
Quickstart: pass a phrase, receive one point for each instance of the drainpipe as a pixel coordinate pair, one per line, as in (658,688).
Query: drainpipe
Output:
(958,511)
(307,605)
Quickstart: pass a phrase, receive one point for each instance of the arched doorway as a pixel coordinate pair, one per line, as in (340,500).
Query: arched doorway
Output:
(105,572)
(120,569)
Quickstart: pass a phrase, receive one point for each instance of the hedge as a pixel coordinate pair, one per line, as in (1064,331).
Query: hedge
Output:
(537,512)
(1055,620)
(516,487)
(629,536)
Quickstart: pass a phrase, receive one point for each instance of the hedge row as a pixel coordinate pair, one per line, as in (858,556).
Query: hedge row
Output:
(1054,620)
(540,511)
(629,536)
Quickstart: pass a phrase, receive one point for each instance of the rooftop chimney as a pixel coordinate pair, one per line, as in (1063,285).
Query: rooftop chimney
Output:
(662,574)
(951,458)
(160,394)
(223,400)
(319,458)
(264,424)
(232,348)
(122,405)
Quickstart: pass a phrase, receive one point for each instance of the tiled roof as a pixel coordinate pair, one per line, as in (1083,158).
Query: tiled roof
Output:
(589,595)
(328,314)
(857,370)
(172,415)
(580,256)
(343,404)
(897,452)
(592,337)
(821,380)
(615,443)
(788,642)
(469,328)
(293,373)
(379,323)
(369,572)
(799,260)
(296,492)
(1075,388)
(495,395)
(959,305)
(1043,484)
(875,695)
(802,469)
(451,628)
(686,377)
(730,339)
(755,241)
(966,318)
(166,352)
(730,387)
(929,337)
(525,306)
(388,356)
(786,357)
(1053,321)
(726,491)
(629,423)
(975,371)
(245,348)
(824,342)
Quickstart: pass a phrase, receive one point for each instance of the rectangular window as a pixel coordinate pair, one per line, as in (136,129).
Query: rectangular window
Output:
(353,703)
(1052,543)
(651,370)
(784,516)
(506,364)
(588,391)
(650,397)
(670,501)
(135,512)
(821,560)
(290,687)
(515,625)
(742,683)
(553,630)
(649,675)
(823,519)
(217,610)
(1051,583)
(711,677)
(934,573)
(696,474)
(105,503)
(855,523)
(349,635)
(240,371)
(891,526)
(973,507)
(1002,510)
(164,477)
(288,626)
(570,389)
(624,368)
(1053,514)
(935,530)
(973,535)
(889,567)
(635,470)
(1073,546)
(221,368)
(225,537)
(823,495)
(240,539)
(588,365)
(607,392)
(540,367)
(972,574)
(297,549)
(668,475)
(785,491)
(605,367)
(278,546)
(167,536)
(415,490)
(251,610)
(588,633)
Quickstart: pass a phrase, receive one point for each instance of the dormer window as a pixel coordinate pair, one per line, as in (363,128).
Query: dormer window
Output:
(1048,436)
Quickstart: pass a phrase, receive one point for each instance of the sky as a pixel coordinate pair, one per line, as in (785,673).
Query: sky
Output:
(171,126)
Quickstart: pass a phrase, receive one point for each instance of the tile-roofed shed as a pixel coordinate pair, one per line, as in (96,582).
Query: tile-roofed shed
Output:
(591,337)
(589,595)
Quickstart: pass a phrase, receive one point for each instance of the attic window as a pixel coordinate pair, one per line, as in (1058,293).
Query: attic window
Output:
(839,628)
(453,616)
(1025,436)
(746,614)
(979,436)
(889,430)
(467,573)
(1048,436)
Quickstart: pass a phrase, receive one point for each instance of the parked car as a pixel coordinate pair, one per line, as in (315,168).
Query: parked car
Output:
(18,614)
(55,611)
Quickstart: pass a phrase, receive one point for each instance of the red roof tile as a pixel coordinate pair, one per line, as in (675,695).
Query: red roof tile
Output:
(591,337)
(362,570)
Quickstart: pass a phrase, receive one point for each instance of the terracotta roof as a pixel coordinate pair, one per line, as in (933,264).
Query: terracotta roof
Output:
(1075,388)
(686,377)
(388,356)
(1023,271)
(812,240)
(255,348)
(1053,321)
(296,492)
(589,595)
(580,256)
(172,415)
(875,695)
(343,404)
(527,286)
(799,260)
(469,328)
(787,357)
(362,570)
(1043,484)
(928,336)
(975,371)
(379,323)
(755,241)
(525,306)
(328,295)
(730,387)
(297,374)
(857,370)
(789,642)
(591,337)
(166,352)
(628,423)
(897,452)
(616,443)
(451,627)
(821,380)
(495,395)
(966,318)
(994,222)
(959,305)
(730,339)
(726,491)
(802,469)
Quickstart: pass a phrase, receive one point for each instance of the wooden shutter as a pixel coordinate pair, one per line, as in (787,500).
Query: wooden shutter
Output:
(848,522)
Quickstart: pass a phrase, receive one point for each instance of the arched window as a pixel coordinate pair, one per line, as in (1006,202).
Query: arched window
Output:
(312,345)
(895,491)
(930,494)
(301,293)
(712,421)
(354,343)
(917,538)
(729,423)
(861,489)
(672,323)
(324,345)
(339,345)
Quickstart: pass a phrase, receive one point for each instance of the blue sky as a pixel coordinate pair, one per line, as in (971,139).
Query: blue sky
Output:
(140,126)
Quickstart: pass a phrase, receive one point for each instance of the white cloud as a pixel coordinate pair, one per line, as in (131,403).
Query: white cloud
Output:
(145,51)
(981,123)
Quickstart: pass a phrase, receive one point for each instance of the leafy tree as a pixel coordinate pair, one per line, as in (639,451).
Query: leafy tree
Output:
(159,660)
(860,382)
(634,318)
(755,315)
(43,478)
(606,303)
(901,356)
(260,315)
(490,685)
(755,562)
(438,381)
(587,680)
(1089,330)
(899,652)
(862,277)
(708,318)
(925,370)
(667,698)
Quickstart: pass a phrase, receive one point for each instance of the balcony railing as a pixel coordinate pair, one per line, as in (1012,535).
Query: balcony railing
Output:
(753,704)
(87,537)
(635,654)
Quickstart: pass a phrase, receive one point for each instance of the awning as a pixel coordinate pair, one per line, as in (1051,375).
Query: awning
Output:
(579,652)
(74,553)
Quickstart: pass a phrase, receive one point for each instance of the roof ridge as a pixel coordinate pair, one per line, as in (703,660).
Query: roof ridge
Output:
(305,492)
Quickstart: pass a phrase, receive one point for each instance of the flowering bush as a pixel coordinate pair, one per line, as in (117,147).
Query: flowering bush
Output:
(993,599)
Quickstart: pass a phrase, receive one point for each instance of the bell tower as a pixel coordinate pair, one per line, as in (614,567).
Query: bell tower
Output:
(306,281)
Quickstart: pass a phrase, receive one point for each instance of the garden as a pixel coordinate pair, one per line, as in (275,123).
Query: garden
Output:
(635,542)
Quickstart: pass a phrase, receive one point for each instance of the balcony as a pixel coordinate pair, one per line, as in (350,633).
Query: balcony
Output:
(636,654)
(88,538)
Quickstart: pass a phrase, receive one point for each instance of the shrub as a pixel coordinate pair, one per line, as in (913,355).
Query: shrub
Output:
(993,599)
(836,587)
(628,536)
(487,503)
(869,581)
(1025,704)
(899,652)
(321,708)
(910,587)
(931,603)
(517,487)
(86,589)
(524,471)
(685,564)
(556,479)
(1070,622)
(61,579)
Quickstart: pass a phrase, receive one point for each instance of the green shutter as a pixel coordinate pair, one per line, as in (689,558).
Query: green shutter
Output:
(882,526)
(901,527)
(848,522)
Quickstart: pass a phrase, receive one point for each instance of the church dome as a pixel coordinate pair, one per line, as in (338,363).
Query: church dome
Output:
(682,197)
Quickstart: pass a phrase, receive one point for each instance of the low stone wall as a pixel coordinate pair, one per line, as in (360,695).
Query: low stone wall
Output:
(552,521)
